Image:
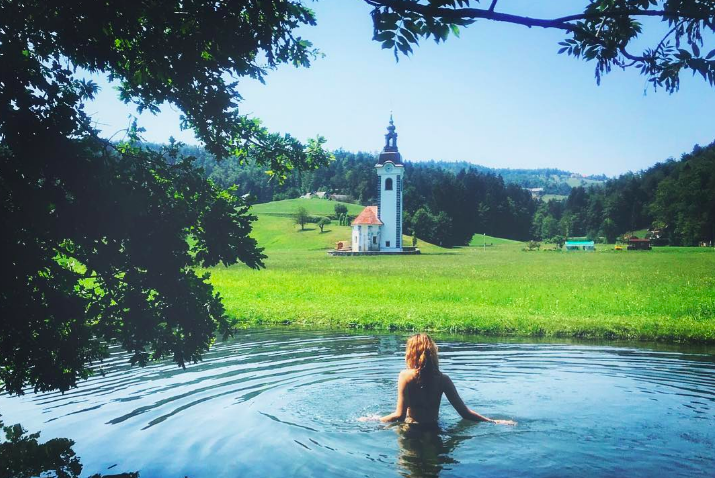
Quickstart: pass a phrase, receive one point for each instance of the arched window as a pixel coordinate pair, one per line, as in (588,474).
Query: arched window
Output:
(388,184)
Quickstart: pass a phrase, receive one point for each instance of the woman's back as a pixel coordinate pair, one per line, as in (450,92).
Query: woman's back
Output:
(424,395)
(421,385)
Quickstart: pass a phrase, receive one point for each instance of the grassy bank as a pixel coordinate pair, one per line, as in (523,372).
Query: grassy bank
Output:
(665,294)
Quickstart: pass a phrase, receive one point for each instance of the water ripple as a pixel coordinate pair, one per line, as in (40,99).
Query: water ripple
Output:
(286,402)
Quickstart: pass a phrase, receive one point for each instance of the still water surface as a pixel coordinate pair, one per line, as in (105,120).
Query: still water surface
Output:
(282,402)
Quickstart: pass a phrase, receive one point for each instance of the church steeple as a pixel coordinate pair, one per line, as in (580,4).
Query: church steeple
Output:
(391,136)
(390,151)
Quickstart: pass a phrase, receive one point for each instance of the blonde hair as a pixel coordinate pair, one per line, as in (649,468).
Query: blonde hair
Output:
(421,354)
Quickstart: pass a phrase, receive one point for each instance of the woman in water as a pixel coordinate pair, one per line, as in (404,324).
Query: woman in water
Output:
(421,385)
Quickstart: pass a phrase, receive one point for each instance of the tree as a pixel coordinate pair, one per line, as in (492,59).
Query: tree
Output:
(340,209)
(322,222)
(22,456)
(603,32)
(95,236)
(531,245)
(549,227)
(608,228)
(423,224)
(301,217)
(559,241)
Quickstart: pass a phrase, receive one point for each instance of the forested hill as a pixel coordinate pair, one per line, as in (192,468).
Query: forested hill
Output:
(551,180)
(446,203)
(676,198)
(440,206)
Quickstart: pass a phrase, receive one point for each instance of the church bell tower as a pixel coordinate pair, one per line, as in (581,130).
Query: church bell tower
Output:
(390,170)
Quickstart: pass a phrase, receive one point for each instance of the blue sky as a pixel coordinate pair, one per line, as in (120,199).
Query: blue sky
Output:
(499,96)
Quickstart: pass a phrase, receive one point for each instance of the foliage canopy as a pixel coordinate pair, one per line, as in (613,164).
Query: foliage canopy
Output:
(603,31)
(100,240)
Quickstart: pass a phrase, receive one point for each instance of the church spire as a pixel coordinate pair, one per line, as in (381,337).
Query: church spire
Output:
(390,151)
(391,136)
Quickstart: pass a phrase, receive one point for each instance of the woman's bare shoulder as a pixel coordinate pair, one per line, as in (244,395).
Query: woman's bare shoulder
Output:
(408,374)
(446,381)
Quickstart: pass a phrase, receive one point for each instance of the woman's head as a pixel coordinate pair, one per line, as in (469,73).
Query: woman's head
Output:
(421,353)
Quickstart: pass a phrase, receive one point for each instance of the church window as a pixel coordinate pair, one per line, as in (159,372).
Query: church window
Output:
(374,239)
(388,184)
(387,243)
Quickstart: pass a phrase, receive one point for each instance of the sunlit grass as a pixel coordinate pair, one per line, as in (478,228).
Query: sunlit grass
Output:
(664,294)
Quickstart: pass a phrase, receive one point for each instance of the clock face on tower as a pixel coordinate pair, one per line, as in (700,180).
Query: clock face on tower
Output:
(388,168)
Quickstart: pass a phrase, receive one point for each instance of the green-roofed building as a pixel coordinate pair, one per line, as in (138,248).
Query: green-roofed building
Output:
(580,246)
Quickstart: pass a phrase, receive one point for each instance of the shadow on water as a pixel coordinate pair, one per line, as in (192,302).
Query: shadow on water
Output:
(425,452)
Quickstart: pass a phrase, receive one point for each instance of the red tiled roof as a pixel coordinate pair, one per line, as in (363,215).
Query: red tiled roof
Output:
(368,216)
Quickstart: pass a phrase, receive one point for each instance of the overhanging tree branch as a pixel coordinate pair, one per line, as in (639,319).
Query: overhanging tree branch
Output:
(562,23)
(601,33)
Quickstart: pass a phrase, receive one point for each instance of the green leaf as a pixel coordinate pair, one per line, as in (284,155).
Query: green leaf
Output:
(408,35)
(710,55)
(384,36)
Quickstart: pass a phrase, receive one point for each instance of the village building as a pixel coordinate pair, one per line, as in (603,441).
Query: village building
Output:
(341,197)
(536,193)
(580,246)
(379,228)
(318,194)
(635,244)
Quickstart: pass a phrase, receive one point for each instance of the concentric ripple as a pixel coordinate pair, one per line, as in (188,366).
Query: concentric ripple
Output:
(282,402)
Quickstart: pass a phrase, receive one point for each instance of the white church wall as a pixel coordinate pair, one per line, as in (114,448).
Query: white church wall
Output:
(389,209)
(356,239)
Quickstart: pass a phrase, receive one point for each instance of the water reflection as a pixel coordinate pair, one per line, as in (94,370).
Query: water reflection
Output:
(425,451)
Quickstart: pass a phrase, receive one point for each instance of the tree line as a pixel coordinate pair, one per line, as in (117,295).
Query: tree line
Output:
(675,199)
(447,203)
(440,206)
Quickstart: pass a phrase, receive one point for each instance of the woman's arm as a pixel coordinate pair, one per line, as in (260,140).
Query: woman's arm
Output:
(401,408)
(465,412)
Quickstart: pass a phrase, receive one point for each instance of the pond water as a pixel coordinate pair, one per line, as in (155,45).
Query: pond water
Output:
(283,402)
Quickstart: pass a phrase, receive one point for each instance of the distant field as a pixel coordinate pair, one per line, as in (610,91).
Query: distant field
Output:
(575,182)
(314,206)
(664,294)
(479,240)
(553,197)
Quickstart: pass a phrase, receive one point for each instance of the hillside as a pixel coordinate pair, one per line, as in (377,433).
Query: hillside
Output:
(555,182)
(350,174)
(677,198)
(275,229)
(448,202)
(479,240)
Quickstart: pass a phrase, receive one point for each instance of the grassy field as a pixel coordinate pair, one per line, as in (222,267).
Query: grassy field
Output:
(665,294)
(480,240)
(553,197)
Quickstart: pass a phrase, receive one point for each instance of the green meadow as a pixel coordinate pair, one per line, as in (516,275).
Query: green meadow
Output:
(664,294)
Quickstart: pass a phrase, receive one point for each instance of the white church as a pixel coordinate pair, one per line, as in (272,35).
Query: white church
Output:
(379,228)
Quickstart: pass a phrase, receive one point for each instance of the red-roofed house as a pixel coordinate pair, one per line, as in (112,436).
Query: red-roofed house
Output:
(366,230)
